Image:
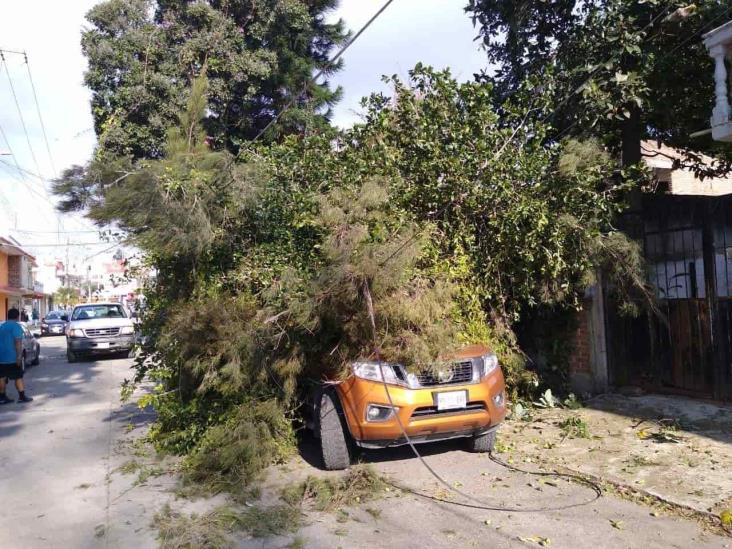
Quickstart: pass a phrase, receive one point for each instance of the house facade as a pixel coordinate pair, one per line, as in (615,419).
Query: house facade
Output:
(17,286)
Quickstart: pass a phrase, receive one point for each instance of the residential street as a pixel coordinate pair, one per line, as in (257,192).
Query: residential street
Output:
(58,451)
(67,447)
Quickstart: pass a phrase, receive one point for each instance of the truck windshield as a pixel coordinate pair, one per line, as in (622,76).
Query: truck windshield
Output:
(87,312)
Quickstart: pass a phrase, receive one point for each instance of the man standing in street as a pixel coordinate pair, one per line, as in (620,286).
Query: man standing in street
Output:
(11,357)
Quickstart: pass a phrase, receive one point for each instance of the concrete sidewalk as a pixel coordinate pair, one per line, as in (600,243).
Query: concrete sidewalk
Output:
(673,447)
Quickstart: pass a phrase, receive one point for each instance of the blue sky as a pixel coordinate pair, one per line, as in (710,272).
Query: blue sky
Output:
(435,32)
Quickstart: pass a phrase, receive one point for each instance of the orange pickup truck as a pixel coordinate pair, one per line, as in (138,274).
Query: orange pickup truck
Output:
(465,397)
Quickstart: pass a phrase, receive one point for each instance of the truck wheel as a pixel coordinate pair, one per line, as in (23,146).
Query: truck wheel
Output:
(483,443)
(334,436)
(70,356)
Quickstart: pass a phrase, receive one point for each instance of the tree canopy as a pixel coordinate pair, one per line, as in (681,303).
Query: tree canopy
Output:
(620,70)
(259,55)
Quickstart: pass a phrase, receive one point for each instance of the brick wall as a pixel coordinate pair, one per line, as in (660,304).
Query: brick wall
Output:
(579,360)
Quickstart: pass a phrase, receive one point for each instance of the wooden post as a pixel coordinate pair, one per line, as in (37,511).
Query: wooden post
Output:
(710,287)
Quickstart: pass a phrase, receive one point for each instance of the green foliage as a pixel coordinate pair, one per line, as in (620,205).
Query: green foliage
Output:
(233,453)
(613,67)
(144,54)
(66,296)
(574,427)
(438,222)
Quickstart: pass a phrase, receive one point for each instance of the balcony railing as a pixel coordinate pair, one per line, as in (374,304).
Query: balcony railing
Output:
(719,44)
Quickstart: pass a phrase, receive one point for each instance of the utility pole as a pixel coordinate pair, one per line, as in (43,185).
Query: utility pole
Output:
(66,267)
(88,283)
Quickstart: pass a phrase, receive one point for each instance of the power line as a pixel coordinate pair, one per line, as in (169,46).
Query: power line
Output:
(10,150)
(701,30)
(322,71)
(40,118)
(65,244)
(27,185)
(20,114)
(54,232)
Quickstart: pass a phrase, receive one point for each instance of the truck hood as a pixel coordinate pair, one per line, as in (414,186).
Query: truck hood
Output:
(101,323)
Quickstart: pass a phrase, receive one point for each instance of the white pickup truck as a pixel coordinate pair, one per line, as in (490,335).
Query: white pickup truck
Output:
(99,328)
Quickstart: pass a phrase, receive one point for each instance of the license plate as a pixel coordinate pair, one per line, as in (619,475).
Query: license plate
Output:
(452,400)
(102,345)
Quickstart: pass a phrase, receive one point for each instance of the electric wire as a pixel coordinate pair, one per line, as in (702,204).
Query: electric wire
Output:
(701,30)
(84,231)
(20,113)
(324,69)
(40,118)
(27,185)
(10,149)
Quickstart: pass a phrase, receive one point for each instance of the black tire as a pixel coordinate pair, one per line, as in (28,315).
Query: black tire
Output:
(71,356)
(334,436)
(37,359)
(484,443)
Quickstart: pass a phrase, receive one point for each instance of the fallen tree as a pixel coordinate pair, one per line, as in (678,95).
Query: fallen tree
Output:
(450,212)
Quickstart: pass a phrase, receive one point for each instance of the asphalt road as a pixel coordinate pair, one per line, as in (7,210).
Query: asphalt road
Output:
(57,455)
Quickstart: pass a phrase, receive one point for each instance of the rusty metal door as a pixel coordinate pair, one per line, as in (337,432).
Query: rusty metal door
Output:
(673,351)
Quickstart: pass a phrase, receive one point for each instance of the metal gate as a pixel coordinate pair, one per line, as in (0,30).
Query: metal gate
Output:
(687,349)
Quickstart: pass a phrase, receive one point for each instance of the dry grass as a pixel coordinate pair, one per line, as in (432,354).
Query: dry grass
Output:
(213,530)
(359,485)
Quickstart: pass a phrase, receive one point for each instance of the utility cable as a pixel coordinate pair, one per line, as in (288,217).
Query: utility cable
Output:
(20,114)
(27,185)
(10,150)
(323,70)
(85,231)
(40,118)
(701,30)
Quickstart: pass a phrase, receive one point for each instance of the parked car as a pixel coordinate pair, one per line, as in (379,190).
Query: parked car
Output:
(99,328)
(54,323)
(464,399)
(31,347)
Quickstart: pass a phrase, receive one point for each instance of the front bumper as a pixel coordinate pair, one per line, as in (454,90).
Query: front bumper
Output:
(83,345)
(53,330)
(418,413)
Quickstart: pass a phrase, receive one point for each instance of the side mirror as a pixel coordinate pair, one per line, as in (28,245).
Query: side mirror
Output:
(65,318)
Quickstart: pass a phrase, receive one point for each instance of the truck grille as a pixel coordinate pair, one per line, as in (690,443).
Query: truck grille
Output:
(101,332)
(456,373)
(427,411)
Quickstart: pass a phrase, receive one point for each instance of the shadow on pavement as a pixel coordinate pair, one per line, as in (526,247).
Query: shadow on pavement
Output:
(309,448)
(53,378)
(704,418)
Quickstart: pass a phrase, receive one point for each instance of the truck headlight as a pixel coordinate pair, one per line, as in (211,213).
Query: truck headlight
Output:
(126,330)
(485,366)
(75,332)
(372,371)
